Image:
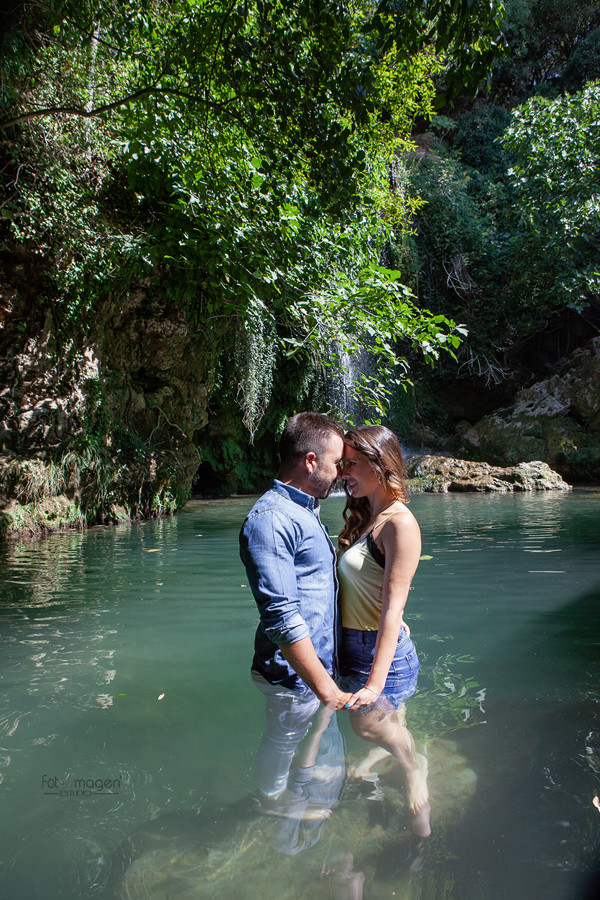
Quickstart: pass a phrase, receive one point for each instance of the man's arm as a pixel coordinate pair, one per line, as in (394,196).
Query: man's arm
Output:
(305,662)
(268,545)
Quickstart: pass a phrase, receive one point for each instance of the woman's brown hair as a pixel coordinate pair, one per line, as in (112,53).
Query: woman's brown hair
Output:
(382,450)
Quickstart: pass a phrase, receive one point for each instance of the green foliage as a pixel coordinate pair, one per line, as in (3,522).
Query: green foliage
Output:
(255,357)
(36,518)
(37,480)
(96,420)
(510,231)
(94,475)
(541,36)
(584,62)
(376,312)
(476,139)
(236,157)
(463,254)
(556,146)
(467,32)
(119,469)
(453,702)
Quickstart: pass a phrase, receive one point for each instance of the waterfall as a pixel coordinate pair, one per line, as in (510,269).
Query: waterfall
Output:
(344,370)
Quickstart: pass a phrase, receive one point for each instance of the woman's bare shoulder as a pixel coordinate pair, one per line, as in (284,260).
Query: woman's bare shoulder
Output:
(401,525)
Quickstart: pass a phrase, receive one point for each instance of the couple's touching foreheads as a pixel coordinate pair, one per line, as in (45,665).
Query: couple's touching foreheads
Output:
(331,627)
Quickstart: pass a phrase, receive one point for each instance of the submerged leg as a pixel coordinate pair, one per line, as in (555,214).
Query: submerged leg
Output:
(288,721)
(363,768)
(387,728)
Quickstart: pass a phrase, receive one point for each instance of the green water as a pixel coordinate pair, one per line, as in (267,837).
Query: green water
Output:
(124,672)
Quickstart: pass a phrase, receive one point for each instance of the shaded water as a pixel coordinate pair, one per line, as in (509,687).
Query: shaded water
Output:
(128,723)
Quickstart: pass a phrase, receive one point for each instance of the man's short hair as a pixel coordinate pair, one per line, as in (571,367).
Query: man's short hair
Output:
(305,432)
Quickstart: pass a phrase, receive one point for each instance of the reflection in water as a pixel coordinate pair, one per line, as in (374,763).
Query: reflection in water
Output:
(300,781)
(332,840)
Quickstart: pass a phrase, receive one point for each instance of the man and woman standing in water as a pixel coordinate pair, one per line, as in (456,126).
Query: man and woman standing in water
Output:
(304,655)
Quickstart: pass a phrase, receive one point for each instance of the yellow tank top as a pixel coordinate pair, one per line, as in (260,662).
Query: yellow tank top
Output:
(361,585)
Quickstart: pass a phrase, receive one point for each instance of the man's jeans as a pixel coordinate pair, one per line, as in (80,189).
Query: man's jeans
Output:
(298,784)
(289,716)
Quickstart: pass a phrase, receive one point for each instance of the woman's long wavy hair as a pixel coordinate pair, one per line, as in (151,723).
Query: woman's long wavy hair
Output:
(382,450)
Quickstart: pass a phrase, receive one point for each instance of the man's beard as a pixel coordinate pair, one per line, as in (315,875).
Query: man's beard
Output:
(321,487)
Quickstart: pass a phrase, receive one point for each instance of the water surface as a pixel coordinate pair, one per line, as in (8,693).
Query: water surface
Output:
(128,723)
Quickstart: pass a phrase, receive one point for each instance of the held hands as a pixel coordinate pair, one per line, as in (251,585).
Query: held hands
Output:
(336,701)
(365,697)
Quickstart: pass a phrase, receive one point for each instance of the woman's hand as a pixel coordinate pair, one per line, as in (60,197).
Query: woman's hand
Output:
(337,700)
(365,697)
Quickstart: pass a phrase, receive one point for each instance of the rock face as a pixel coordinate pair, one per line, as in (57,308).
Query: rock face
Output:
(441,474)
(557,420)
(103,426)
(110,419)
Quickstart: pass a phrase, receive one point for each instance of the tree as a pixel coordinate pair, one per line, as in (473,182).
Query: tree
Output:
(540,37)
(237,154)
(556,148)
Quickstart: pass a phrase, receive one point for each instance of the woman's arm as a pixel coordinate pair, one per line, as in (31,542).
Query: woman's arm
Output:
(401,540)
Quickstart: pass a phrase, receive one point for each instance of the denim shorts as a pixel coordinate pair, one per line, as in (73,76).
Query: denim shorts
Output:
(356,659)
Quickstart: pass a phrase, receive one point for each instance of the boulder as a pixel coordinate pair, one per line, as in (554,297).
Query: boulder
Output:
(556,420)
(441,474)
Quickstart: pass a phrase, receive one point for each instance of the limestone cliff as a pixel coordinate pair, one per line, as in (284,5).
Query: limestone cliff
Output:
(556,420)
(102,425)
(121,418)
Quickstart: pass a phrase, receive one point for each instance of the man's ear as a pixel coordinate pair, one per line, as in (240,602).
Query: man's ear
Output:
(310,461)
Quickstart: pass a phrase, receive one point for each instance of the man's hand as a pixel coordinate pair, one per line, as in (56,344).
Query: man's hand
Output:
(338,701)
(305,662)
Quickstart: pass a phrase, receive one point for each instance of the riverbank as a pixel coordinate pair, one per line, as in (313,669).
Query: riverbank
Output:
(425,474)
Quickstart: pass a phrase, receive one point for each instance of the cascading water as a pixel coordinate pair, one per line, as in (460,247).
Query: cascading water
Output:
(350,376)
(342,391)
(340,388)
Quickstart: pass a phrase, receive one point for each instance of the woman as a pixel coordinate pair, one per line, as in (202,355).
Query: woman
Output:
(379,550)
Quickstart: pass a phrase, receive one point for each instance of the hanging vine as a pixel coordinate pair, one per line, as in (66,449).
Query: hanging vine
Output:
(255,356)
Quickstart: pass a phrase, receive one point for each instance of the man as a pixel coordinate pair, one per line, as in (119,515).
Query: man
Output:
(290,562)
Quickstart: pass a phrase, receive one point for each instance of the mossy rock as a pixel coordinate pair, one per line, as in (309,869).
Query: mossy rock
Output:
(440,474)
(560,441)
(39,518)
(236,853)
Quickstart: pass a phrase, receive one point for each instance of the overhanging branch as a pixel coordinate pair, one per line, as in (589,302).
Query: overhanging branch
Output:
(116,104)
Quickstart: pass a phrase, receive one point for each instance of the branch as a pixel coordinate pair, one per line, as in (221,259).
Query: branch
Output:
(109,107)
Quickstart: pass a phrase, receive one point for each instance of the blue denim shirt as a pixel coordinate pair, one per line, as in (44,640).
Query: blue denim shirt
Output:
(290,562)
